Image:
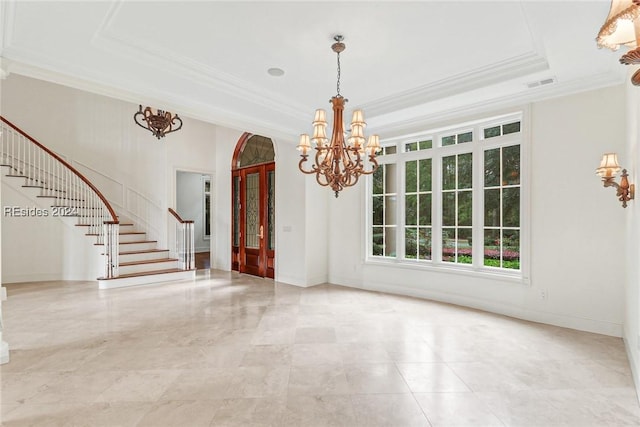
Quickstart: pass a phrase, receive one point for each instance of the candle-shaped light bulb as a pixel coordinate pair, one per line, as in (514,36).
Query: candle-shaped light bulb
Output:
(304,144)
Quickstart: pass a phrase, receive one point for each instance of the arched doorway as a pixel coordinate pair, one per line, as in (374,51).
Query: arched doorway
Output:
(253,206)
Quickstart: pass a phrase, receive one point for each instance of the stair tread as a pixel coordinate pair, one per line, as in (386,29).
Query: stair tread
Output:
(130,243)
(143,251)
(121,234)
(89,225)
(147,261)
(146,273)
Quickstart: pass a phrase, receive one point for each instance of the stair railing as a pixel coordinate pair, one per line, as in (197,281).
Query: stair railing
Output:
(184,242)
(72,193)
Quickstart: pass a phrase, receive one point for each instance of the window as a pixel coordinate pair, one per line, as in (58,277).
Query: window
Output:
(384,211)
(502,207)
(418,201)
(457,208)
(451,197)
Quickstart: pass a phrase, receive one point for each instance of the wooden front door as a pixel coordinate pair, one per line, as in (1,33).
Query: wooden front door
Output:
(253,211)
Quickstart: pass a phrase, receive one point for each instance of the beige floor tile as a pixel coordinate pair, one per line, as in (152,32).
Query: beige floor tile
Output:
(370,378)
(431,377)
(230,349)
(203,384)
(365,352)
(267,355)
(316,354)
(327,379)
(139,386)
(52,414)
(74,387)
(456,409)
(87,414)
(487,376)
(317,411)
(411,351)
(315,335)
(388,410)
(274,336)
(192,413)
(262,381)
(249,412)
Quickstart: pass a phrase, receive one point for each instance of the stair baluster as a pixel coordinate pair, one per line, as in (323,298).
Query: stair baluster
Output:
(184,242)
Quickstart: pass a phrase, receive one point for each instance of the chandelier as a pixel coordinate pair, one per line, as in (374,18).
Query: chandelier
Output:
(339,163)
(159,123)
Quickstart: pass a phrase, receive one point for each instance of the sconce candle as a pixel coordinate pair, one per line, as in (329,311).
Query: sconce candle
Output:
(608,169)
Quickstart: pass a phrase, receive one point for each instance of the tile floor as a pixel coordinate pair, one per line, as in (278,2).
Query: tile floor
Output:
(231,350)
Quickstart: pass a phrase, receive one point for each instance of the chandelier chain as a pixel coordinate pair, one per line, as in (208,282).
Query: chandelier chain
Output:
(338,84)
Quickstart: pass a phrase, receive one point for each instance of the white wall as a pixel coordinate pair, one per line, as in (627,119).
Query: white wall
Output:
(98,136)
(632,288)
(226,140)
(577,228)
(190,205)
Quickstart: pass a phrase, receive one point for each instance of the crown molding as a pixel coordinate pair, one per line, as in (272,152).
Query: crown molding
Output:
(158,57)
(498,72)
(186,107)
(395,129)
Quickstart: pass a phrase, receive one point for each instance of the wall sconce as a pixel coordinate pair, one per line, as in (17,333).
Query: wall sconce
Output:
(608,169)
(159,123)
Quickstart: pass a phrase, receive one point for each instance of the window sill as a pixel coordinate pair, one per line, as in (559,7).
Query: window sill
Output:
(516,276)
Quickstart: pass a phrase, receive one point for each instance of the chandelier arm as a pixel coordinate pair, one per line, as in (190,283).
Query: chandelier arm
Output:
(304,159)
(173,122)
(318,176)
(352,182)
(374,167)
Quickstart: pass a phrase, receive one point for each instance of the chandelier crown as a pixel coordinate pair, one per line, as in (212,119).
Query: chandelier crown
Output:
(339,163)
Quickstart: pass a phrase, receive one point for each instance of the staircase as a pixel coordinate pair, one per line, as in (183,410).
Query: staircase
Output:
(142,262)
(129,258)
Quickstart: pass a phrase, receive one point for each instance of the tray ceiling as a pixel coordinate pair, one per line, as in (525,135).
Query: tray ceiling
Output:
(406,63)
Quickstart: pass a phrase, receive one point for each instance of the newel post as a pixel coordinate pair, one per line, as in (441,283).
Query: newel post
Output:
(111,246)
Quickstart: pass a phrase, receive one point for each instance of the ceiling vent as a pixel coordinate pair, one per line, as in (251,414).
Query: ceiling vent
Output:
(542,82)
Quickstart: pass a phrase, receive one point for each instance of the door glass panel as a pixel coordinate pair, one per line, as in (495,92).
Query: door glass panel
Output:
(258,149)
(236,211)
(271,204)
(252,211)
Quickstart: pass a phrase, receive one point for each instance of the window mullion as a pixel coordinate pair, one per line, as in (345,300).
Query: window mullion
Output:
(436,208)
(400,209)
(478,204)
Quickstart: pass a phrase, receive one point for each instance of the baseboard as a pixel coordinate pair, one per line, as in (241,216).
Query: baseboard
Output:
(37,277)
(294,281)
(633,364)
(346,281)
(572,322)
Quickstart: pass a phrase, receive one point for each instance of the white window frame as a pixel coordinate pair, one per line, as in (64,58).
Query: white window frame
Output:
(477,147)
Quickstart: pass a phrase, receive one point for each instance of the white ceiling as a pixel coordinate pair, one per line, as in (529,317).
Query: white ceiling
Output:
(406,63)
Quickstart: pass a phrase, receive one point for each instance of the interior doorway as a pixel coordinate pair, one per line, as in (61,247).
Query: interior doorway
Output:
(253,204)
(193,202)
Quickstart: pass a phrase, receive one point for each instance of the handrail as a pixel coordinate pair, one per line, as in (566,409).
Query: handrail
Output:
(114,217)
(179,218)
